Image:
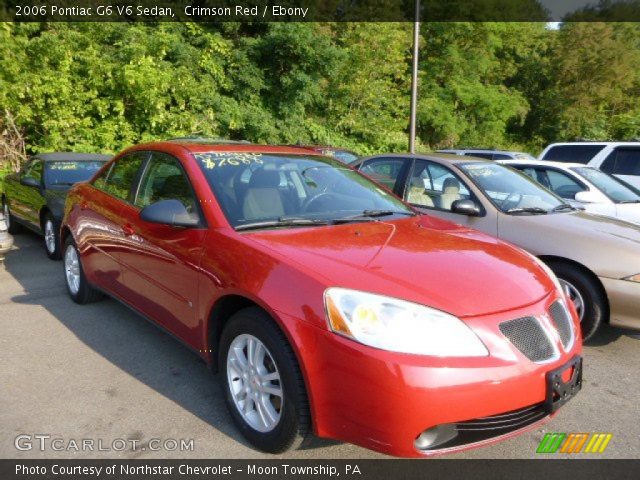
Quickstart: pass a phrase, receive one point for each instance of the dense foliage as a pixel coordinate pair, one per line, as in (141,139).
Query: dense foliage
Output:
(101,86)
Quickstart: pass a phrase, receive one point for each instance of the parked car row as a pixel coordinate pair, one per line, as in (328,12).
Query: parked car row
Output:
(375,303)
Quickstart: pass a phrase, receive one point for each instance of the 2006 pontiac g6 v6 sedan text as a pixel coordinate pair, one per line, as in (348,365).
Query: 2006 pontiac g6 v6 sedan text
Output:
(326,303)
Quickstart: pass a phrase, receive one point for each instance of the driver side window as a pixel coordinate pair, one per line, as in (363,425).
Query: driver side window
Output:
(33,170)
(164,179)
(432,185)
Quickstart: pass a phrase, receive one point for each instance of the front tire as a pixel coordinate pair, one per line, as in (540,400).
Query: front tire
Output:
(51,229)
(586,295)
(263,385)
(78,287)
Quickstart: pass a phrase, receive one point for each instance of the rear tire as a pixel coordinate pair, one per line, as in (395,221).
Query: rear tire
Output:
(13,227)
(243,380)
(594,309)
(51,230)
(78,287)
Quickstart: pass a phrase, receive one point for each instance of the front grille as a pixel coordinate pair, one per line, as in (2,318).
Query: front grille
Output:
(481,429)
(563,322)
(528,336)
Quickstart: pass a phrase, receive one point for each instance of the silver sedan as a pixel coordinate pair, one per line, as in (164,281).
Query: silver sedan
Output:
(596,259)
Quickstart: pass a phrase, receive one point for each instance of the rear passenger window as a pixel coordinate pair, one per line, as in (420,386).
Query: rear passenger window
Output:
(434,186)
(623,161)
(573,153)
(120,178)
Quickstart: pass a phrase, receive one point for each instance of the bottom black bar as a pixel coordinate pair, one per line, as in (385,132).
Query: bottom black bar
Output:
(301,469)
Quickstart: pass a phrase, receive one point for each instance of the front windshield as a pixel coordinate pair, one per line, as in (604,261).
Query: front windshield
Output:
(509,190)
(610,186)
(255,189)
(66,173)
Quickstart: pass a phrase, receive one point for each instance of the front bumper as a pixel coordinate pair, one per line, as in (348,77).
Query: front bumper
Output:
(384,401)
(624,302)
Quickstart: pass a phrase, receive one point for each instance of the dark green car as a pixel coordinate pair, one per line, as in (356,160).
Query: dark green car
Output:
(34,197)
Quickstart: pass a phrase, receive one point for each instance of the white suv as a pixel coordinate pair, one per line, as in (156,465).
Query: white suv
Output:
(621,159)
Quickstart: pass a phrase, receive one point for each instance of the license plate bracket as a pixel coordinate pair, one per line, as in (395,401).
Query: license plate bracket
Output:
(560,392)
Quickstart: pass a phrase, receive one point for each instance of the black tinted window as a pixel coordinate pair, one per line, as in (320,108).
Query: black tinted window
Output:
(572,153)
(122,176)
(627,162)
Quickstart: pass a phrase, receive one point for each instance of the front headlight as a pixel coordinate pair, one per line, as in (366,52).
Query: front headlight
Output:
(399,326)
(633,278)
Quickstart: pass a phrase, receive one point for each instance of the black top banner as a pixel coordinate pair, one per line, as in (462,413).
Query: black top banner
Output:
(319,10)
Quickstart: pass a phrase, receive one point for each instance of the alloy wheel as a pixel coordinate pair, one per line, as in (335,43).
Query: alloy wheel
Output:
(49,236)
(72,269)
(576,297)
(255,384)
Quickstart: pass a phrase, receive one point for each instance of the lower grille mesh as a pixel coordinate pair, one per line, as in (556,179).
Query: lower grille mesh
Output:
(480,429)
(563,322)
(527,335)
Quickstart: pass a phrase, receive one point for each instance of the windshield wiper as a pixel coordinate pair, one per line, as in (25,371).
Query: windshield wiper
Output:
(563,206)
(284,222)
(533,210)
(629,201)
(367,214)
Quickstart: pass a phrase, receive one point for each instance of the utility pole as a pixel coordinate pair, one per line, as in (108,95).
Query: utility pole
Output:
(414,80)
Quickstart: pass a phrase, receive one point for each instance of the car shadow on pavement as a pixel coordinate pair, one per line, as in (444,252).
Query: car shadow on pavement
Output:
(608,334)
(125,339)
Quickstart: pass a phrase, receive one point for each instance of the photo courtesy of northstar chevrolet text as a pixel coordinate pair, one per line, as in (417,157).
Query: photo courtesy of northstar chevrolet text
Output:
(355,231)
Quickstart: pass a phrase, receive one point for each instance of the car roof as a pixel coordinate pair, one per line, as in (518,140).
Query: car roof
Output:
(543,163)
(436,156)
(72,157)
(481,150)
(203,146)
(594,143)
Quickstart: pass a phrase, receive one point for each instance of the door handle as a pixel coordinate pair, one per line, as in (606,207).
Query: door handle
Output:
(128,230)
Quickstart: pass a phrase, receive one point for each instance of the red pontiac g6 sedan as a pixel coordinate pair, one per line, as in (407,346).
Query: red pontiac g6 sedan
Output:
(326,303)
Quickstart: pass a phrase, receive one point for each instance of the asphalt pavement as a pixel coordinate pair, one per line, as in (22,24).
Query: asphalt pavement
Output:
(102,373)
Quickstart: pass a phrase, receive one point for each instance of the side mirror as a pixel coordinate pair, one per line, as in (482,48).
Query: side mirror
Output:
(587,197)
(466,207)
(169,212)
(30,182)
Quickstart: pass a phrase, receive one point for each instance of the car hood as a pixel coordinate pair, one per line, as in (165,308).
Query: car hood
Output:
(607,246)
(421,259)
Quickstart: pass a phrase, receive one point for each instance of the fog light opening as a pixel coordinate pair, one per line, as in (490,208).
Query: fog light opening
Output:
(435,436)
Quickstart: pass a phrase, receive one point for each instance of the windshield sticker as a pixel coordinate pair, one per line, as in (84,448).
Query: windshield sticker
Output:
(479,170)
(63,166)
(211,160)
